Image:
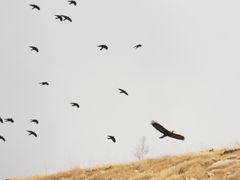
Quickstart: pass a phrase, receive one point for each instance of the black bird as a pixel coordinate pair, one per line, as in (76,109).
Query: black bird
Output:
(137,46)
(75,104)
(32,133)
(72,2)
(34,6)
(44,83)
(112,138)
(34,121)
(59,17)
(2,138)
(123,91)
(1,120)
(103,46)
(33,48)
(9,120)
(66,18)
(166,132)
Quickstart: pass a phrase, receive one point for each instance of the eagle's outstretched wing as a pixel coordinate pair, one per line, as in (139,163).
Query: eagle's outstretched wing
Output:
(160,127)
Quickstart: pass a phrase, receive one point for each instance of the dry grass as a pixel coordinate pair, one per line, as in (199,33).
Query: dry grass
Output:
(212,164)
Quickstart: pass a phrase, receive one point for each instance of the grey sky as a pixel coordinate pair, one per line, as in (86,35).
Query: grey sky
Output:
(186,77)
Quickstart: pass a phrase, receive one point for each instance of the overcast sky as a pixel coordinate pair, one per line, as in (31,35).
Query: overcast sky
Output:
(186,77)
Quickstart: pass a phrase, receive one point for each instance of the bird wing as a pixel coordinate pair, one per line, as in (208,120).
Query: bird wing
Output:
(2,138)
(160,127)
(176,136)
(33,133)
(123,91)
(34,120)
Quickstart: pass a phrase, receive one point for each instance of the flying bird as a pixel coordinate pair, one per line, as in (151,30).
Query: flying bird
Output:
(1,137)
(72,2)
(112,138)
(59,17)
(34,121)
(166,132)
(44,83)
(9,120)
(1,120)
(32,133)
(75,104)
(33,48)
(66,18)
(122,91)
(103,46)
(34,6)
(137,46)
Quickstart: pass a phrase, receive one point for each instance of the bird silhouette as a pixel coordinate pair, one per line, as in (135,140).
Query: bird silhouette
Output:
(44,83)
(34,121)
(32,133)
(75,104)
(33,48)
(9,120)
(58,17)
(103,46)
(123,91)
(166,132)
(137,46)
(112,138)
(1,137)
(34,6)
(66,18)
(72,2)
(1,120)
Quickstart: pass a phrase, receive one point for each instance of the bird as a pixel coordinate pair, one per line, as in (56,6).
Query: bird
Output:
(1,120)
(122,91)
(59,17)
(9,120)
(34,121)
(34,6)
(44,83)
(103,46)
(32,133)
(75,104)
(72,2)
(112,138)
(166,132)
(1,137)
(33,48)
(137,46)
(66,18)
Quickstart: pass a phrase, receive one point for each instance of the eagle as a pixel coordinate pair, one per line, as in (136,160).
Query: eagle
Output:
(103,46)
(112,138)
(72,2)
(166,132)
(32,133)
(123,91)
(75,104)
(9,120)
(44,83)
(34,48)
(34,6)
(58,17)
(137,46)
(34,121)
(66,18)
(2,138)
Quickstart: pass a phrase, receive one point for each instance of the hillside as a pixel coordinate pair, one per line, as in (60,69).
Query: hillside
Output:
(212,164)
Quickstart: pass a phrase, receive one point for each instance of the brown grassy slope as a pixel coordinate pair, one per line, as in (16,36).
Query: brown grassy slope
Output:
(212,164)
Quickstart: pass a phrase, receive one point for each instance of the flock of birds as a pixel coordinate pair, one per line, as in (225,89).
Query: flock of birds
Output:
(164,131)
